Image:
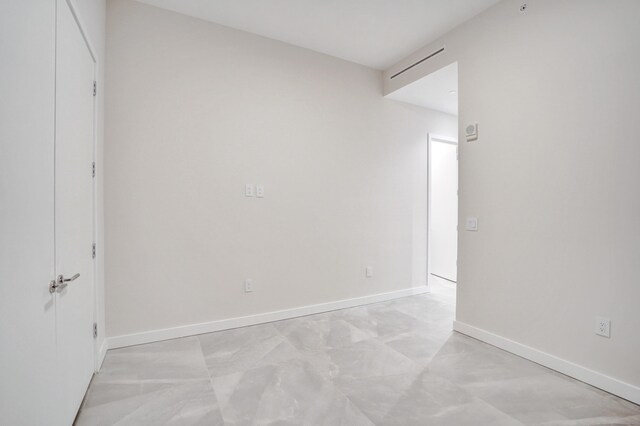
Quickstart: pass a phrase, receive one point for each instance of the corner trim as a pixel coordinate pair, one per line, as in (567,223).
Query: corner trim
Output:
(226,324)
(609,384)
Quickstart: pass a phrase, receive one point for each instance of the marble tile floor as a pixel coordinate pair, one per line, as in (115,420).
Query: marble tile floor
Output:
(391,363)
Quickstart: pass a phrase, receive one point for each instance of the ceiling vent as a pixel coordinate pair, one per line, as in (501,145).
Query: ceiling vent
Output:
(437,52)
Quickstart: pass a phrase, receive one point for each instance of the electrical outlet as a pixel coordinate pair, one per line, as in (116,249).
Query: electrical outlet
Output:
(248,190)
(248,285)
(368,271)
(603,327)
(259,191)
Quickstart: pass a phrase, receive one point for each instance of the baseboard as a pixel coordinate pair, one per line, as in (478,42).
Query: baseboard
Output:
(102,352)
(593,378)
(226,324)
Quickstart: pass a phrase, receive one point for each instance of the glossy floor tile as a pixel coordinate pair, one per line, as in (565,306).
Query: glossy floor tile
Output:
(390,363)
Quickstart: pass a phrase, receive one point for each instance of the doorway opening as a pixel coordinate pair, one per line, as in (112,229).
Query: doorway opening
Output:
(438,91)
(442,264)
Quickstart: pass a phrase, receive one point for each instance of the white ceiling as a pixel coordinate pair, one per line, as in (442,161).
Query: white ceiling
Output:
(433,91)
(375,33)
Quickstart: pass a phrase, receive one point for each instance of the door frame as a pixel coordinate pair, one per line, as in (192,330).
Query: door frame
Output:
(78,20)
(441,139)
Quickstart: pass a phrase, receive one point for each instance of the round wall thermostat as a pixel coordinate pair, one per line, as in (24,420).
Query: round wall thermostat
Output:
(471,132)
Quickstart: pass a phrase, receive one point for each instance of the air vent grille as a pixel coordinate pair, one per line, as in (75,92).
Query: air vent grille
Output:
(437,52)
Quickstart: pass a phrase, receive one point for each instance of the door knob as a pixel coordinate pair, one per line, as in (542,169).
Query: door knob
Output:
(61,283)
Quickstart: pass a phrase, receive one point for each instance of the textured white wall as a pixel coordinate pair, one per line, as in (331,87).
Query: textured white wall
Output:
(196,110)
(553,178)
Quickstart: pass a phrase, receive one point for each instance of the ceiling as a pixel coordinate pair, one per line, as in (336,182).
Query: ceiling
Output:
(438,90)
(375,33)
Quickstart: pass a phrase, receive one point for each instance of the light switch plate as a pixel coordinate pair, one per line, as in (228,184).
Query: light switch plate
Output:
(472,224)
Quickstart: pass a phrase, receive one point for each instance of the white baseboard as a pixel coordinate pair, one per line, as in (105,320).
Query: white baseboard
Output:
(226,324)
(102,352)
(593,378)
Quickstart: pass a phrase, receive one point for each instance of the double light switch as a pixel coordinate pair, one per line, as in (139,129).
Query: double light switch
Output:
(251,191)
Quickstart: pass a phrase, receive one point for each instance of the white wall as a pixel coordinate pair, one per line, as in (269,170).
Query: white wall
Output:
(196,110)
(553,178)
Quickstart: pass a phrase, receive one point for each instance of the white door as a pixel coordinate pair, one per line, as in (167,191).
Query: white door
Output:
(27,309)
(443,208)
(74,210)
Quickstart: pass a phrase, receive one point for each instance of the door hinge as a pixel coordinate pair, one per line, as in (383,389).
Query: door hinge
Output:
(93,169)
(95,330)
(95,88)
(93,251)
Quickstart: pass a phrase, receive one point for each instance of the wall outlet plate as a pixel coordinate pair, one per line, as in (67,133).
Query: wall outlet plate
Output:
(471,224)
(259,191)
(248,190)
(603,327)
(248,285)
